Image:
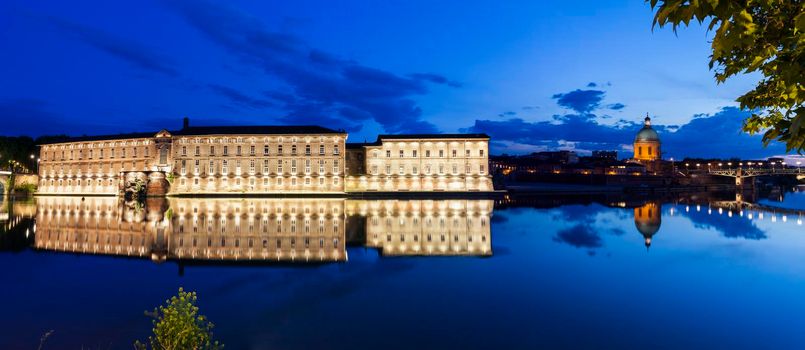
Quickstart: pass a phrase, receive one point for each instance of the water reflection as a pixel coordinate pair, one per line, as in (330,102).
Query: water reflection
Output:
(262,230)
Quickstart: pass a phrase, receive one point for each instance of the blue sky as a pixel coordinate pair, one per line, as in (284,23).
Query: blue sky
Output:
(534,75)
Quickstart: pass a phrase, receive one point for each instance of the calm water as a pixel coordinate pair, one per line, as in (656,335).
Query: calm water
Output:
(574,272)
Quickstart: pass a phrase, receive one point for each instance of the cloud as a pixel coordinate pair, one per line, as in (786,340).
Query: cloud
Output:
(591,84)
(124,49)
(435,78)
(581,101)
(507,114)
(240,98)
(579,236)
(583,132)
(325,88)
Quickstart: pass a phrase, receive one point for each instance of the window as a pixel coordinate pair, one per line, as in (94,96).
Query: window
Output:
(237,150)
(184,151)
(649,151)
(388,154)
(279,167)
(455,169)
(196,168)
(307,181)
(279,181)
(335,167)
(198,150)
(639,151)
(265,150)
(212,150)
(374,169)
(237,168)
(335,181)
(455,153)
(427,169)
(279,149)
(307,166)
(251,150)
(265,166)
(402,170)
(481,169)
(481,153)
(184,163)
(251,166)
(441,169)
(335,150)
(307,150)
(414,170)
(427,153)
(226,150)
(293,166)
(374,154)
(441,153)
(388,169)
(467,169)
(321,150)
(211,170)
(225,166)
(293,150)
(468,153)
(413,153)
(321,166)
(402,154)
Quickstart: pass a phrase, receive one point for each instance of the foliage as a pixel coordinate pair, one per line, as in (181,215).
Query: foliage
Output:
(765,36)
(177,325)
(27,188)
(170,177)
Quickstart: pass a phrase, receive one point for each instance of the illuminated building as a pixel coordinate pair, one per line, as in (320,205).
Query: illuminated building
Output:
(647,149)
(262,160)
(647,219)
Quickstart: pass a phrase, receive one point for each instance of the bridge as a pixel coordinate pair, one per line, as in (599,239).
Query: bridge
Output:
(740,173)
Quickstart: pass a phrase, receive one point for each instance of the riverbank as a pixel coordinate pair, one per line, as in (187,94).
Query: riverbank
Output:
(532,188)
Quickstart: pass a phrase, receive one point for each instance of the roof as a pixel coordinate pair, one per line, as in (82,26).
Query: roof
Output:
(137,135)
(433,136)
(647,134)
(256,130)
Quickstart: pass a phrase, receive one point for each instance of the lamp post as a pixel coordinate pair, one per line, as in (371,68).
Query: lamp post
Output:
(32,160)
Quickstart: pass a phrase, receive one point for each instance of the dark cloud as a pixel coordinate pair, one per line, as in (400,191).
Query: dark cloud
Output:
(507,114)
(326,88)
(583,131)
(579,236)
(435,78)
(127,50)
(528,108)
(591,84)
(240,98)
(581,101)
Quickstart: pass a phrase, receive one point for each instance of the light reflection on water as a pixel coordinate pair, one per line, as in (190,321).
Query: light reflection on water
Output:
(557,272)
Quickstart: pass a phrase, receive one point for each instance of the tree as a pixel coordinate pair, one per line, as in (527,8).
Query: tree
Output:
(177,325)
(765,36)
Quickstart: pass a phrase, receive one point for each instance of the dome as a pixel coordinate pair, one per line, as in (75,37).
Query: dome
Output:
(647,134)
(647,228)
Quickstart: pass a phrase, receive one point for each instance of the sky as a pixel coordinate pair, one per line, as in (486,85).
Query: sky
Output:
(534,75)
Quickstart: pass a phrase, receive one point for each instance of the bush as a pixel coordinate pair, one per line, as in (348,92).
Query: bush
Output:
(177,325)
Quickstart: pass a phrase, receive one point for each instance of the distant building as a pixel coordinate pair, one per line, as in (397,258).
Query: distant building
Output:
(608,155)
(647,149)
(556,157)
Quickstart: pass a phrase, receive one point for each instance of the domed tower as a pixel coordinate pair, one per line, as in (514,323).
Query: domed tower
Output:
(647,219)
(647,143)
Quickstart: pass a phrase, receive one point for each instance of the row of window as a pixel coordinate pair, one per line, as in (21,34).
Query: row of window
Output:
(253,150)
(290,226)
(133,152)
(187,140)
(250,243)
(267,182)
(213,169)
(402,170)
(415,153)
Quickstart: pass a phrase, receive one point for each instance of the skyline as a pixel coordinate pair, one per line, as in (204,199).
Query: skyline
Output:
(504,70)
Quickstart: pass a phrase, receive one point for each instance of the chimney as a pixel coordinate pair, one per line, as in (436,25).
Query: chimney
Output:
(185,123)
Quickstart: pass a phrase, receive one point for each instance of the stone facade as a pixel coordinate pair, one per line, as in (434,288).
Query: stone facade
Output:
(262,160)
(423,163)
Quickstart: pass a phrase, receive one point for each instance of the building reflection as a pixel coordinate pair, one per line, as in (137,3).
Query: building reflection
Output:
(426,227)
(647,219)
(313,230)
